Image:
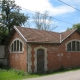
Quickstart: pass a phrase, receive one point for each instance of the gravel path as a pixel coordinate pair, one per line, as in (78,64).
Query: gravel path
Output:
(71,75)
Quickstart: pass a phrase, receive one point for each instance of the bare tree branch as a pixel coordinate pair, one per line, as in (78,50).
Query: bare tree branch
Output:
(43,21)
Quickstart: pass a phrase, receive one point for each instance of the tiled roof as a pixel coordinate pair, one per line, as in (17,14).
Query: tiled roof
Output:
(65,34)
(35,35)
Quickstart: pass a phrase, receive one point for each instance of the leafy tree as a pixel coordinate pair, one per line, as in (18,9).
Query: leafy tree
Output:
(75,26)
(43,21)
(10,16)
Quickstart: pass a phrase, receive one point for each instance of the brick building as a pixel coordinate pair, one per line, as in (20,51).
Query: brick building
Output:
(35,50)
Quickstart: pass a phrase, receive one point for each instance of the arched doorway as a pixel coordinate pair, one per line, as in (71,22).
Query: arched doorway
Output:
(40,60)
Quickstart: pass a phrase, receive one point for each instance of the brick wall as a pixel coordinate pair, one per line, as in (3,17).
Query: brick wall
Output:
(18,60)
(58,56)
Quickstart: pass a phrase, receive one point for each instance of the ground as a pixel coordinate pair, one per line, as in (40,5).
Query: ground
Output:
(71,75)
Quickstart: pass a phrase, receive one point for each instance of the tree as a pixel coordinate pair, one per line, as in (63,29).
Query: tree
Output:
(43,21)
(10,16)
(75,26)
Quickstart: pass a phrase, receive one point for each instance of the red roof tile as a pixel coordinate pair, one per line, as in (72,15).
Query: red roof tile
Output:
(35,35)
(65,34)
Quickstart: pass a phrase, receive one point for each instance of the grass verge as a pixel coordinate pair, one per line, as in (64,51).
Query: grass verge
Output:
(12,74)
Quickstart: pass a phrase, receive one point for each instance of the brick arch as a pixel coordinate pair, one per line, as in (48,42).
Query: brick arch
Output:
(45,58)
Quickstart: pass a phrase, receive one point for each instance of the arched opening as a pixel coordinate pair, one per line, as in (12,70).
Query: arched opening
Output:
(73,45)
(45,60)
(40,60)
(16,46)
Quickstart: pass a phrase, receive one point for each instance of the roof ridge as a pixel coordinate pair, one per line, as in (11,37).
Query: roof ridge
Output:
(20,33)
(69,30)
(73,30)
(39,29)
(36,35)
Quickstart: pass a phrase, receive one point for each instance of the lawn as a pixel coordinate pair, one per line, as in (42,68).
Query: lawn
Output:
(12,74)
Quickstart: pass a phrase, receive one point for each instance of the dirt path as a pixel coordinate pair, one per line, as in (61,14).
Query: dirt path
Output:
(71,75)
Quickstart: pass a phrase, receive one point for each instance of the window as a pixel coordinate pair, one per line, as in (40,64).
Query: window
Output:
(14,45)
(20,46)
(78,46)
(73,46)
(69,46)
(17,46)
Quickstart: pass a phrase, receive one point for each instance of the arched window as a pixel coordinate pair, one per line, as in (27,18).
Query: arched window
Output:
(16,46)
(73,45)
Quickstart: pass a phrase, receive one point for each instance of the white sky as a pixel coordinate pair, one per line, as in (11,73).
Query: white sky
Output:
(44,5)
(55,9)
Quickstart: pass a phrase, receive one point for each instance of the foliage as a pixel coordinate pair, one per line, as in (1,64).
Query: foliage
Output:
(12,74)
(10,16)
(43,21)
(75,26)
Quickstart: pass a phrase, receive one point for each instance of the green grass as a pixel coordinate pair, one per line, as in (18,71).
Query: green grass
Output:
(12,74)
(9,75)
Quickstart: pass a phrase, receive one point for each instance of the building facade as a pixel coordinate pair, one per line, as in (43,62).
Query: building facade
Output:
(36,51)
